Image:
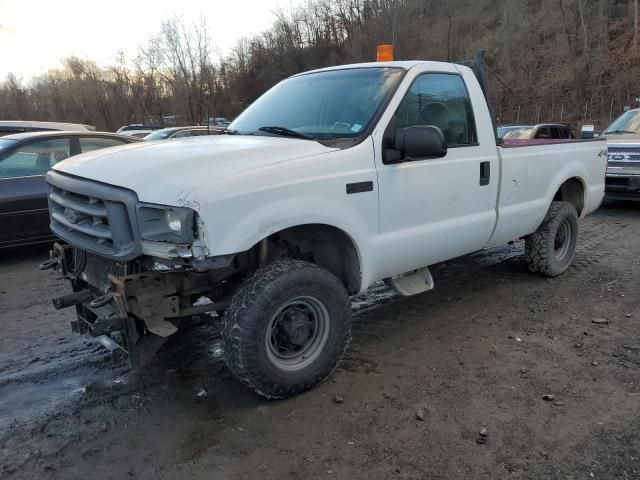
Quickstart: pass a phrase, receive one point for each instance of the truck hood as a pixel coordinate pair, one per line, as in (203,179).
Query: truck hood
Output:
(165,171)
(622,138)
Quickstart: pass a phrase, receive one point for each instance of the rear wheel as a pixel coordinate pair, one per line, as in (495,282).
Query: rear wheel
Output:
(551,248)
(286,328)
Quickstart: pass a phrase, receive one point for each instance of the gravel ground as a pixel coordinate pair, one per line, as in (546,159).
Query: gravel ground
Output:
(423,377)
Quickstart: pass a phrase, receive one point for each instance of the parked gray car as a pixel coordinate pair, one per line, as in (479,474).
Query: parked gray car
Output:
(25,158)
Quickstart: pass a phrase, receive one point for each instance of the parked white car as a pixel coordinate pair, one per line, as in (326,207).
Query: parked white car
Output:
(9,127)
(136,133)
(332,180)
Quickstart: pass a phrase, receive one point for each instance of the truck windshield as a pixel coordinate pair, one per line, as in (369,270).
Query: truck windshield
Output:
(327,105)
(628,122)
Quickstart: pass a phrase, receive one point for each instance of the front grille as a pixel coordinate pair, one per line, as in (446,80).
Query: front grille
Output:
(82,216)
(628,164)
(624,156)
(94,217)
(624,149)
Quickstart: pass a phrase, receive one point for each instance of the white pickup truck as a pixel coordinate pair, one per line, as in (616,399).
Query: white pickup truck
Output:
(332,180)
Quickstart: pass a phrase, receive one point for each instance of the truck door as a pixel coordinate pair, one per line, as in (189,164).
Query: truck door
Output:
(435,209)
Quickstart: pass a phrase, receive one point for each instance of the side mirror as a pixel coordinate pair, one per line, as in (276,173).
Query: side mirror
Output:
(587,131)
(420,142)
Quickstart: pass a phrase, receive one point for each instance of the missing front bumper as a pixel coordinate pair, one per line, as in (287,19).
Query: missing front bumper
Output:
(131,314)
(119,335)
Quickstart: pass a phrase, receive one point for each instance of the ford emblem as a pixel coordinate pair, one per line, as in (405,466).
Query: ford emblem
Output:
(619,157)
(70,215)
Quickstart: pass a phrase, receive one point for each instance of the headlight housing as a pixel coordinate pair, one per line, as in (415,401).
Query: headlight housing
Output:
(161,223)
(174,221)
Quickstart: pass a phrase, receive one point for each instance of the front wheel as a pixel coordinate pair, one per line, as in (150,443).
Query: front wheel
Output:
(286,328)
(551,248)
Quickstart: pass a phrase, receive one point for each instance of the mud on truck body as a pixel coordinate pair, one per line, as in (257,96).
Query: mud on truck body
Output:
(332,180)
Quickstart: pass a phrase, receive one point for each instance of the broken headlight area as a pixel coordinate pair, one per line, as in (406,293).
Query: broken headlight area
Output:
(159,223)
(169,233)
(166,250)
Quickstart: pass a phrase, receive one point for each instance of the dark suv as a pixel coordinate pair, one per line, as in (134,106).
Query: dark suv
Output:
(25,158)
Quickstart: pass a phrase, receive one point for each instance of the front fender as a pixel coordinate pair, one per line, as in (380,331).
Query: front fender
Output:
(281,214)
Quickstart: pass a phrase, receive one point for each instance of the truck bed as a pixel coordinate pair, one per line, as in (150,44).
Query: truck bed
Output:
(526,170)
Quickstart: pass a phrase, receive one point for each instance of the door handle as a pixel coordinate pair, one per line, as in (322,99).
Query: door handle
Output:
(485,173)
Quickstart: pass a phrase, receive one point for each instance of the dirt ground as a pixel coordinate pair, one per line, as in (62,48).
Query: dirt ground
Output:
(480,351)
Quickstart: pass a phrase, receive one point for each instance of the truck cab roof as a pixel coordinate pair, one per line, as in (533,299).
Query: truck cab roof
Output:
(404,64)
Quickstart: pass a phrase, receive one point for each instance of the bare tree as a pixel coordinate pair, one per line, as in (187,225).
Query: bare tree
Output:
(566,56)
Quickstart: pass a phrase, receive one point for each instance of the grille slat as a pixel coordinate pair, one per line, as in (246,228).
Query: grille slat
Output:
(612,163)
(624,149)
(93,207)
(93,230)
(82,216)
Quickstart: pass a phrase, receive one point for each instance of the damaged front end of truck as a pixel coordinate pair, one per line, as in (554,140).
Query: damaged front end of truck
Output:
(136,270)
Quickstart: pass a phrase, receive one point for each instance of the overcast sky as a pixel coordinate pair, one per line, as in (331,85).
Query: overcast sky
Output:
(36,34)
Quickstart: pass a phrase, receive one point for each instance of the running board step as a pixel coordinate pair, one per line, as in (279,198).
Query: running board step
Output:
(412,283)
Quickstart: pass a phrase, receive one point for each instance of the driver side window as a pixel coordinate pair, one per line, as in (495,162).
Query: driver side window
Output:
(441,100)
(35,158)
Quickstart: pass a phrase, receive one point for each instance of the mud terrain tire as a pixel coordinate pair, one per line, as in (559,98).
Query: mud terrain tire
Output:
(286,328)
(551,248)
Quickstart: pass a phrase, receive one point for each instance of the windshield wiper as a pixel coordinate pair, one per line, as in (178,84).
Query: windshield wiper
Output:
(618,131)
(286,132)
(228,131)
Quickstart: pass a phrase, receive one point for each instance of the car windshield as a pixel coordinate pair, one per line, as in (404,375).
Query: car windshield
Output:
(502,131)
(6,143)
(628,122)
(325,105)
(519,134)
(159,135)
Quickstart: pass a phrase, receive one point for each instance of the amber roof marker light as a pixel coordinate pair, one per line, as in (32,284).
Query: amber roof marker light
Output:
(384,53)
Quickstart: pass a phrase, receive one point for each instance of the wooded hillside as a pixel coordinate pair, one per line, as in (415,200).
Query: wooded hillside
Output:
(549,60)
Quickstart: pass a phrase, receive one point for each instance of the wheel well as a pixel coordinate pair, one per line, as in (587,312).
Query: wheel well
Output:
(323,245)
(572,191)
